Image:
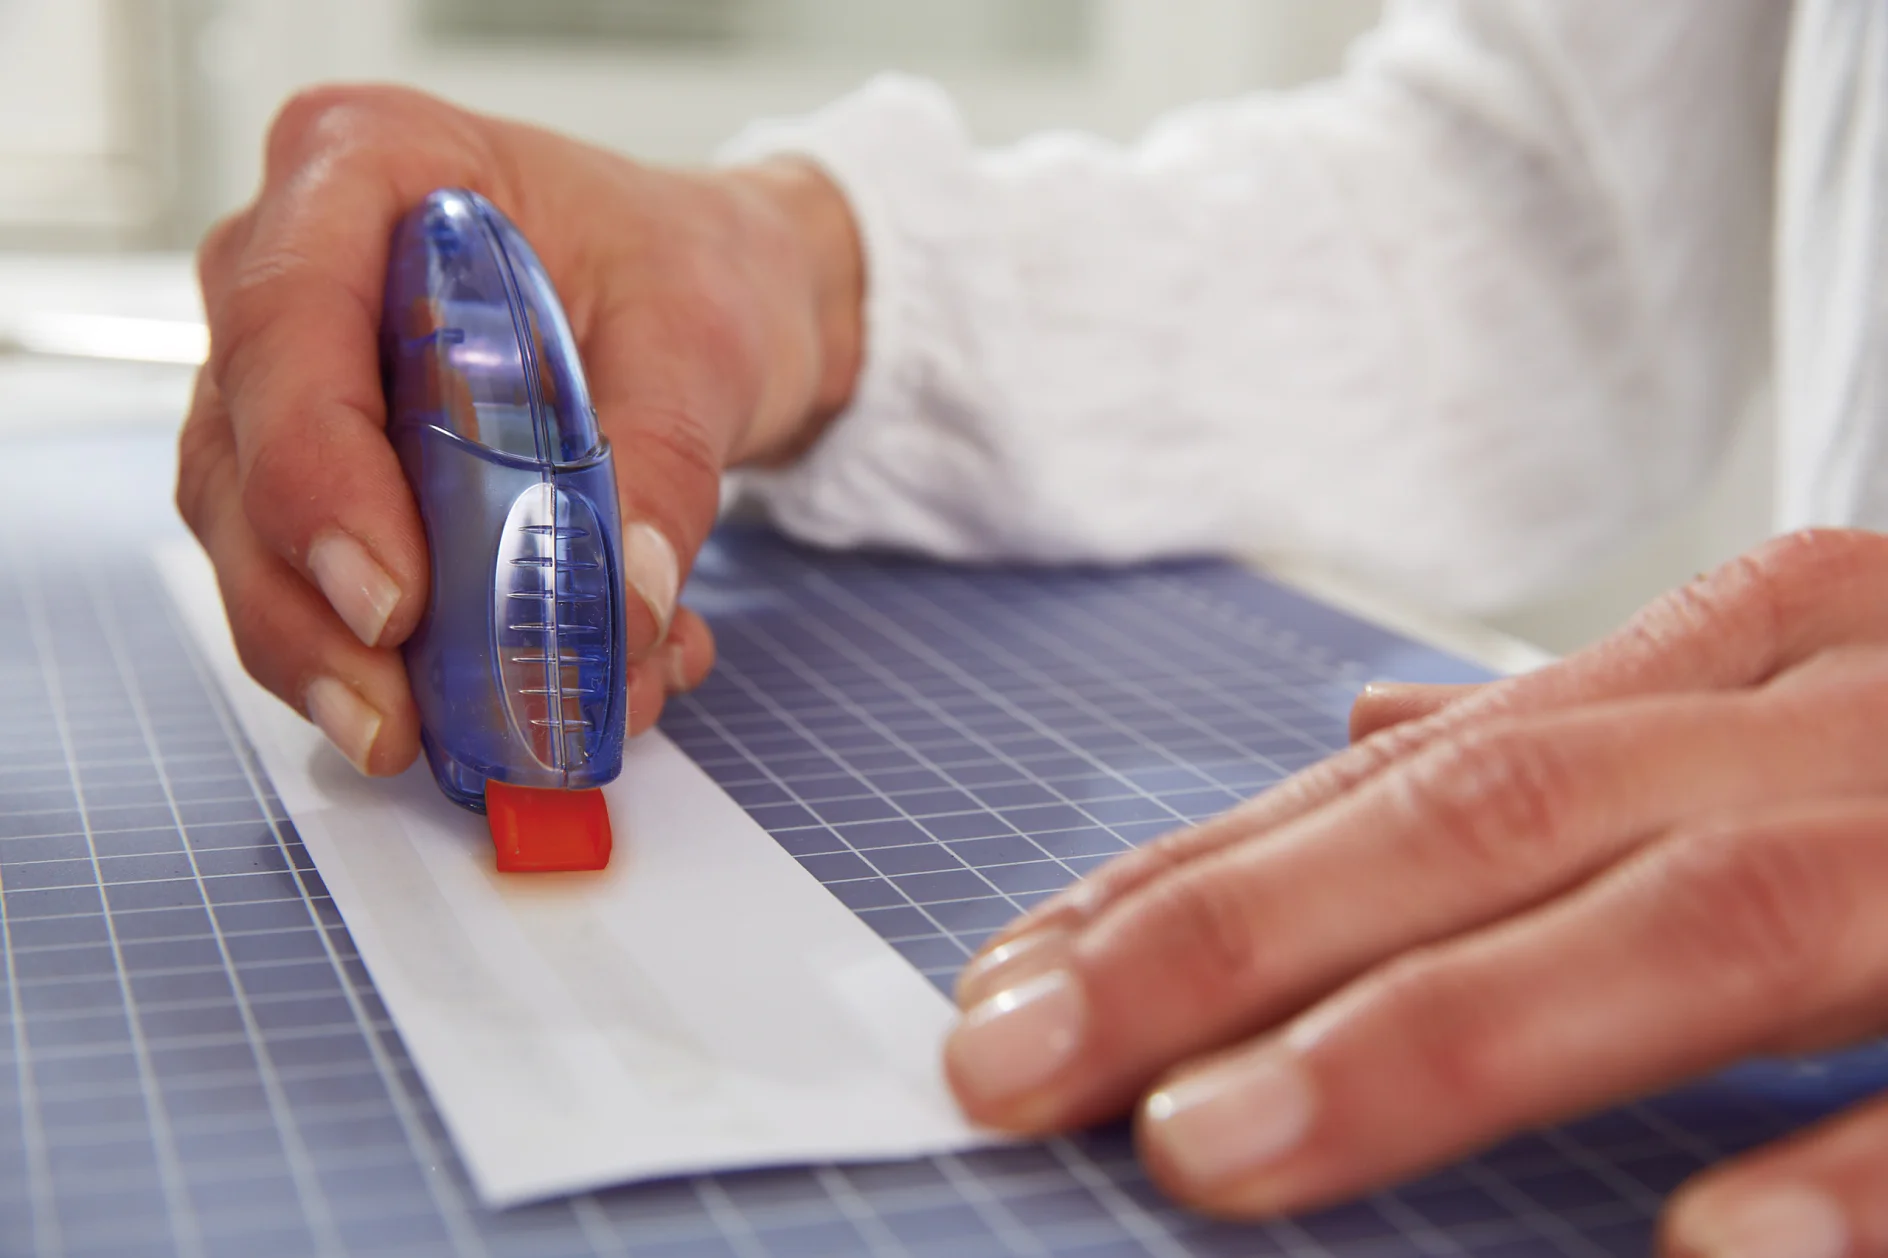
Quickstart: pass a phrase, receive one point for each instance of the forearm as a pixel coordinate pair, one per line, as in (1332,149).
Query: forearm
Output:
(1403,321)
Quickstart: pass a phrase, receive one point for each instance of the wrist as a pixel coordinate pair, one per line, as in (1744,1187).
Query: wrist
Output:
(825,265)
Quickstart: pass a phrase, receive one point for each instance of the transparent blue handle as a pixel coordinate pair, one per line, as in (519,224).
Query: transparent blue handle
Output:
(518,665)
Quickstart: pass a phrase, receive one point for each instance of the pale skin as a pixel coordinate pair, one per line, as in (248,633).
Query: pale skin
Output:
(1503,906)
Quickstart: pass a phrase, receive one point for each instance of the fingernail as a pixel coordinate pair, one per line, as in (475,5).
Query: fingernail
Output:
(1232,1119)
(650,567)
(674,669)
(1010,964)
(1017,1041)
(1789,1222)
(344,717)
(358,589)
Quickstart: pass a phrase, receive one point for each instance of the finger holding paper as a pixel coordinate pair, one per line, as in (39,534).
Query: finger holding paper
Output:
(1736,627)
(1554,893)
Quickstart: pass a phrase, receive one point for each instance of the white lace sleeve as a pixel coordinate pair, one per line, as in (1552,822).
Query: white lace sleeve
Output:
(1457,321)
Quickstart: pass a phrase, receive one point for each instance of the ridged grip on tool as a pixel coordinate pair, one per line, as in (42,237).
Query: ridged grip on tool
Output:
(551,627)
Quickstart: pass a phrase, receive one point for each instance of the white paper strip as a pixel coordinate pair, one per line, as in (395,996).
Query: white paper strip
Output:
(703,1004)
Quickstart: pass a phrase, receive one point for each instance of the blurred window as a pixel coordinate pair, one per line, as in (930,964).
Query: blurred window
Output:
(82,131)
(869,32)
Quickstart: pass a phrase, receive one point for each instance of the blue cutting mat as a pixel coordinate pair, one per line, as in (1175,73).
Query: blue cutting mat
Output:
(193,1062)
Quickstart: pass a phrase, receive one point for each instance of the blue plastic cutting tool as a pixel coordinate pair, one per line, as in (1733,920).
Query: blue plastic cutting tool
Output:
(518,666)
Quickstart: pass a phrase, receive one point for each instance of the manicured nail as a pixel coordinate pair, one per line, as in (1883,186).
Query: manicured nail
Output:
(1231,1120)
(1017,1041)
(1011,963)
(344,717)
(359,590)
(1786,1222)
(650,567)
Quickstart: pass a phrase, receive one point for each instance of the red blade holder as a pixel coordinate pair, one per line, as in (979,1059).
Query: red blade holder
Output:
(539,830)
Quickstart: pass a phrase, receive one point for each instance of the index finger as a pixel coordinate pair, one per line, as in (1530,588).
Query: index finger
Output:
(294,323)
(1735,627)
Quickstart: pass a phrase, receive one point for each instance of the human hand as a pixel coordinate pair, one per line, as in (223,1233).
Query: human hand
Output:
(718,317)
(1505,905)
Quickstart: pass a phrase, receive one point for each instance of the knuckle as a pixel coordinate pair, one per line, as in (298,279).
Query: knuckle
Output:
(192,478)
(1693,607)
(217,239)
(1756,915)
(217,251)
(202,472)
(1356,764)
(690,456)
(1761,586)
(280,471)
(317,119)
(1132,869)
(254,300)
(1839,693)
(260,631)
(1146,864)
(1461,1039)
(1750,604)
(1733,608)
(1802,575)
(1500,799)
(1381,750)
(305,120)
(1856,678)
(1810,553)
(1211,933)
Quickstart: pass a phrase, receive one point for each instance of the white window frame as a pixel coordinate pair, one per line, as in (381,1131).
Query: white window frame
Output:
(87,121)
